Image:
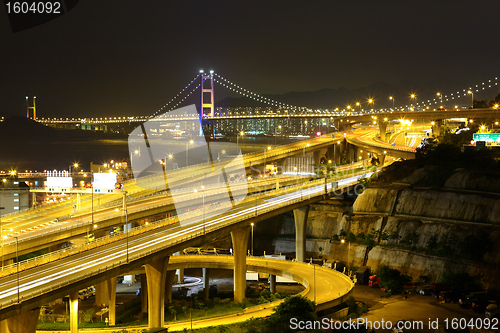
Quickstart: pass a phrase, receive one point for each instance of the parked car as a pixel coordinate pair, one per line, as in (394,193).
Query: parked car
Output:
(450,296)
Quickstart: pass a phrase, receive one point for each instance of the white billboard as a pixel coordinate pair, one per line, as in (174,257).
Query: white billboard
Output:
(59,182)
(105,181)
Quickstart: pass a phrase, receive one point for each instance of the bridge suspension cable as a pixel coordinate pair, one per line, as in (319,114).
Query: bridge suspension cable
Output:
(247,93)
(178,94)
(491,83)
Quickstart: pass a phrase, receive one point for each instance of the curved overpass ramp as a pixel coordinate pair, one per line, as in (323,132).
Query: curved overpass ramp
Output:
(366,139)
(327,286)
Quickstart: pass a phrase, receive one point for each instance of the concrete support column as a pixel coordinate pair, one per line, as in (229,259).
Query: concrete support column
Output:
(24,323)
(381,158)
(300,216)
(33,199)
(206,283)
(156,275)
(272,283)
(169,282)
(105,295)
(73,312)
(436,128)
(144,294)
(180,271)
(382,126)
(240,246)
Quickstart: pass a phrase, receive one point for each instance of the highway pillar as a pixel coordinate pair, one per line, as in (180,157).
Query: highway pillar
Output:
(272,283)
(382,126)
(180,271)
(240,246)
(156,275)
(318,154)
(105,295)
(300,216)
(144,294)
(73,312)
(206,283)
(33,199)
(381,158)
(436,128)
(24,323)
(170,281)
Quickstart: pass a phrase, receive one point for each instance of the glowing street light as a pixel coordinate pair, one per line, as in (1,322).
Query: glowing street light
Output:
(472,100)
(238,137)
(392,99)
(414,97)
(370,101)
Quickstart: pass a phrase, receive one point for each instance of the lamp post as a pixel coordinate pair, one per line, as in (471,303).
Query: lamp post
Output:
(414,97)
(252,224)
(238,137)
(187,151)
(358,104)
(370,101)
(348,253)
(74,165)
(392,99)
(276,134)
(470,92)
(17,260)
(265,151)
(203,195)
(126,216)
(440,99)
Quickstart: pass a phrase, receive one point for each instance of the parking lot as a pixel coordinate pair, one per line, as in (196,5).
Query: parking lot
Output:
(411,307)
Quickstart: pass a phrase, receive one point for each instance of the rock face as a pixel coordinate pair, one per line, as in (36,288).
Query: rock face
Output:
(467,204)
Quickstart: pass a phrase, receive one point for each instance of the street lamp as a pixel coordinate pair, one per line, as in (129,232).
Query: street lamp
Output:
(348,254)
(358,104)
(392,99)
(252,224)
(203,193)
(441,99)
(74,165)
(238,137)
(414,97)
(126,216)
(275,134)
(370,101)
(17,261)
(187,151)
(472,95)
(4,237)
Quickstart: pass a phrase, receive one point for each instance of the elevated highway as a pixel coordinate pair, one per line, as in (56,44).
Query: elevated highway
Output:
(31,284)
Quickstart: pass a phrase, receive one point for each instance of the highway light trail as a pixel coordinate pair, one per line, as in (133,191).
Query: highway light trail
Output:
(69,268)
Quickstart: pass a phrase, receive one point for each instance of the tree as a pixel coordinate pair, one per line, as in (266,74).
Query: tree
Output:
(476,246)
(88,315)
(299,307)
(173,312)
(392,279)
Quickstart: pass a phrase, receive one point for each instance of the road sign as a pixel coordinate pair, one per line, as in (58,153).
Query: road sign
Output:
(486,137)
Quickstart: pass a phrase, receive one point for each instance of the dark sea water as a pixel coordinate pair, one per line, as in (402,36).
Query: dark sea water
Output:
(43,155)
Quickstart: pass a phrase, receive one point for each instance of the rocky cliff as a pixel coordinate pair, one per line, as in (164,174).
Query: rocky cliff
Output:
(422,226)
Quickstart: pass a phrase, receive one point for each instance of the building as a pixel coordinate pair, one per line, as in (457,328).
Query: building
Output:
(14,196)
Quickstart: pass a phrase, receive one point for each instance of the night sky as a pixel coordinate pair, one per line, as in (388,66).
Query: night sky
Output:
(123,58)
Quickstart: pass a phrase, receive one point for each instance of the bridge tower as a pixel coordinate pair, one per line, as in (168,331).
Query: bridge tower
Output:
(206,108)
(28,108)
